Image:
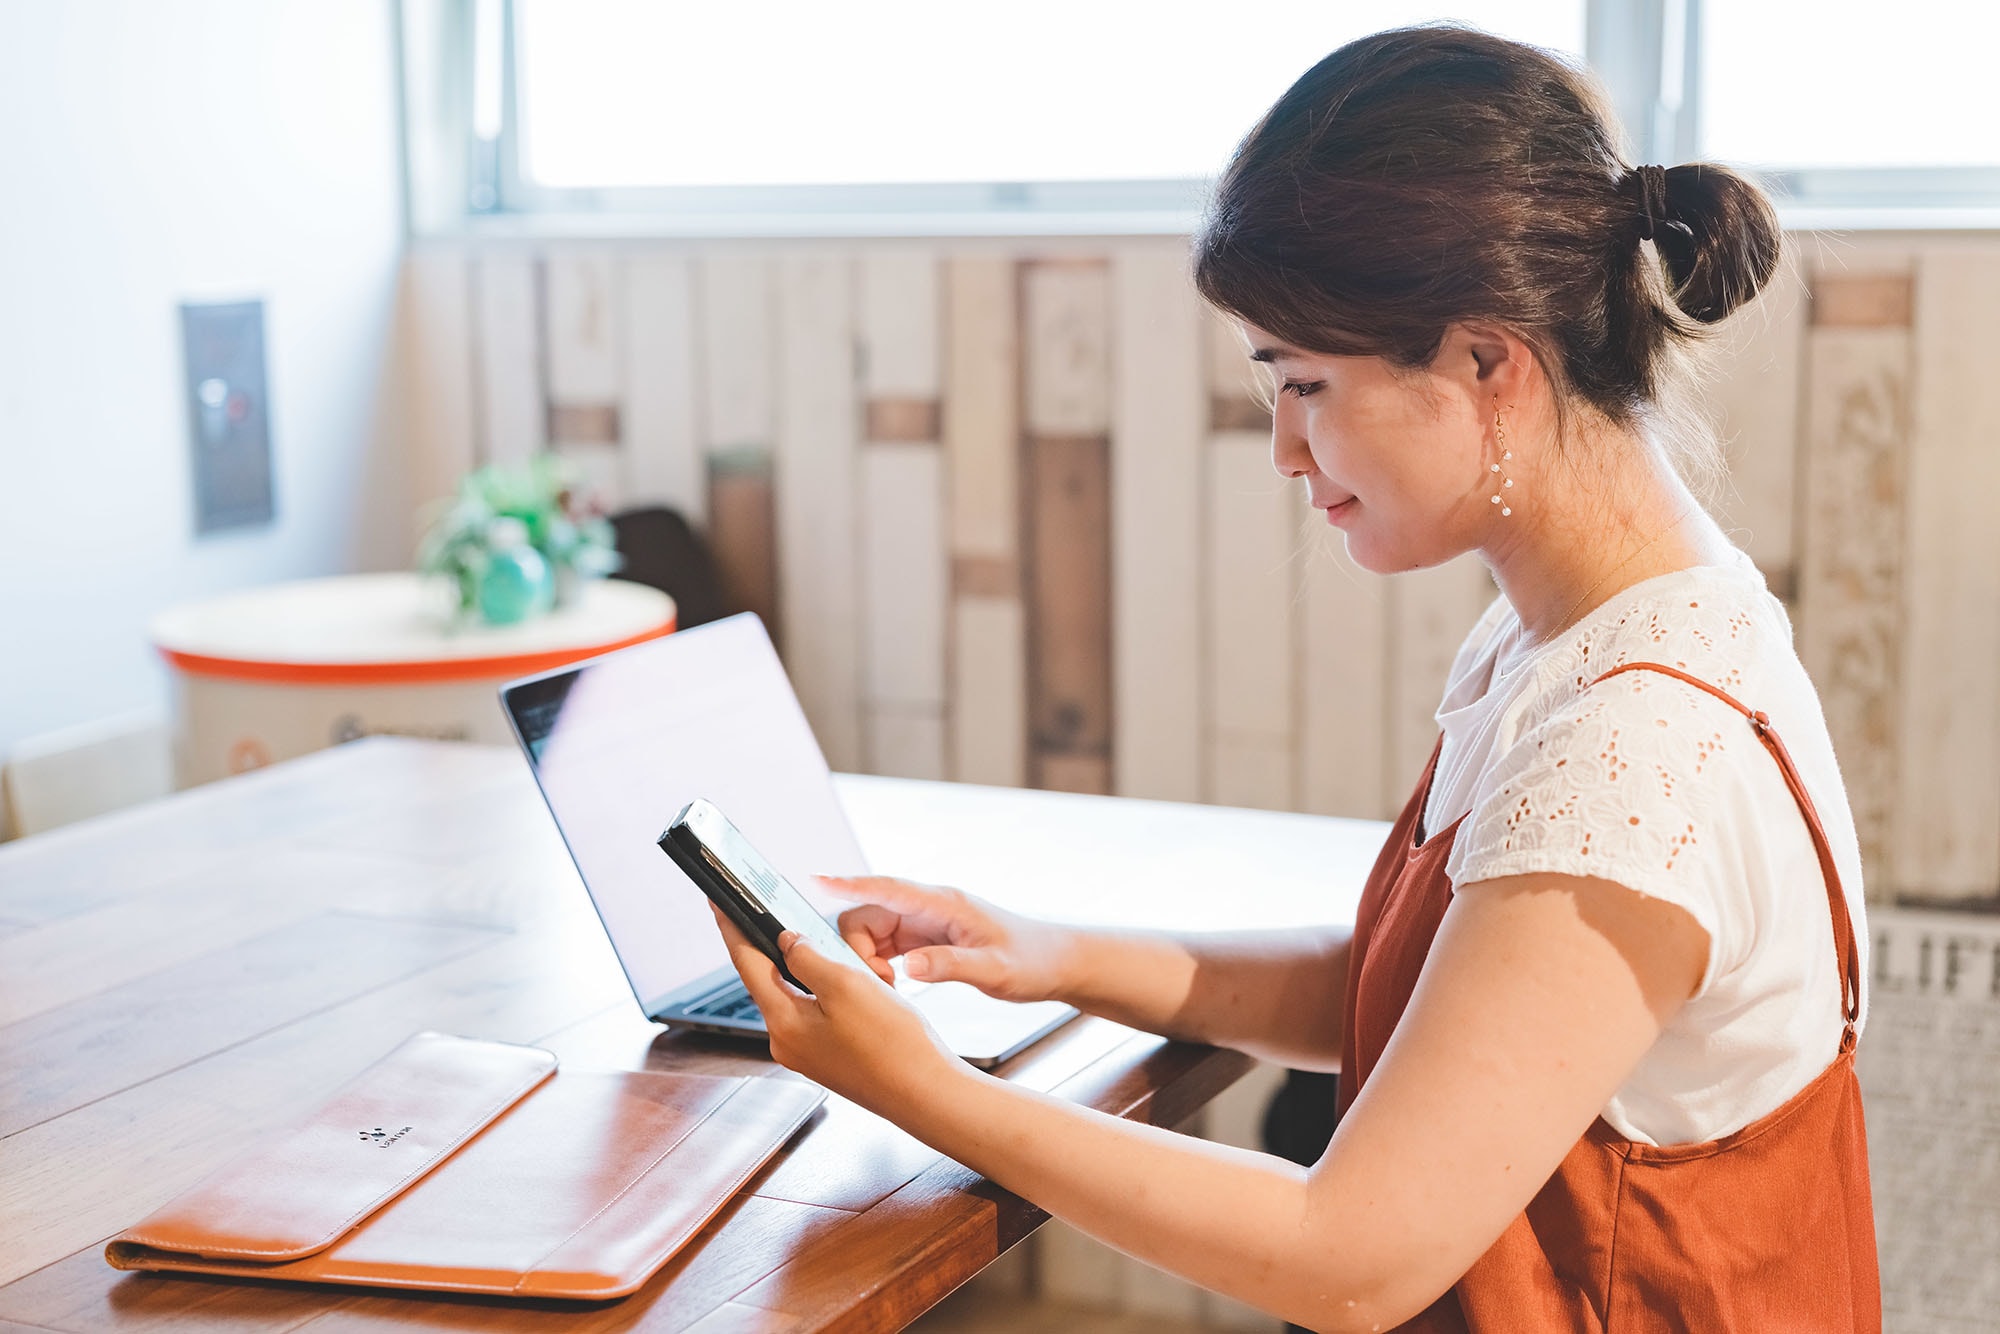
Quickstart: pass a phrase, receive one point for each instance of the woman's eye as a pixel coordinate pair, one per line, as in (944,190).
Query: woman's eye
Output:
(1301,390)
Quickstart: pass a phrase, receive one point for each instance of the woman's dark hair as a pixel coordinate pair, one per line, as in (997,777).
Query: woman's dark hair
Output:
(1436,174)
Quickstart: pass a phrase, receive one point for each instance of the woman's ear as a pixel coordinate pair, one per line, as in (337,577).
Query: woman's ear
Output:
(1491,359)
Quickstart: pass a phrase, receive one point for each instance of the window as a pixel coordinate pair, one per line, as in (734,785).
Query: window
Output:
(635,93)
(938,116)
(1849,84)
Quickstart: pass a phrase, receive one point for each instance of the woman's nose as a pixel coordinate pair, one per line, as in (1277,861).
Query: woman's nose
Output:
(1289,453)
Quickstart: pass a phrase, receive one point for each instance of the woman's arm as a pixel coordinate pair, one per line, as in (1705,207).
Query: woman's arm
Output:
(1539,996)
(1278,995)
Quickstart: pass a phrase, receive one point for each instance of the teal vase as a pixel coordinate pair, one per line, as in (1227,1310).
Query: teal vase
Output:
(516,585)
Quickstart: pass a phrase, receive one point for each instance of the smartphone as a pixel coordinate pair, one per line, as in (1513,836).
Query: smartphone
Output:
(762,903)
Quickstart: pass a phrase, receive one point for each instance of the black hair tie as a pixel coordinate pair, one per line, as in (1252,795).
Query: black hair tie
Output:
(1652,200)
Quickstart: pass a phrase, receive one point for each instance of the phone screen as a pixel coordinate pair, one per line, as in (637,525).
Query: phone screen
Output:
(729,852)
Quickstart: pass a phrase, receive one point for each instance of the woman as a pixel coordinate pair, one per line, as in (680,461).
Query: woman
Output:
(1595,1022)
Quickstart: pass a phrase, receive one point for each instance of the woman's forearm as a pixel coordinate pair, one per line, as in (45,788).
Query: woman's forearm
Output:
(1278,995)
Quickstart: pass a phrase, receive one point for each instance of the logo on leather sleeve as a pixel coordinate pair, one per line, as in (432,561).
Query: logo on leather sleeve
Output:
(381,1138)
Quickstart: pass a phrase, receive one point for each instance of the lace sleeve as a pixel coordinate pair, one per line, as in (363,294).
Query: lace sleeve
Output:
(1640,780)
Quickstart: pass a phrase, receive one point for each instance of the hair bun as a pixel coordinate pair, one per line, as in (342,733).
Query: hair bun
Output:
(1715,231)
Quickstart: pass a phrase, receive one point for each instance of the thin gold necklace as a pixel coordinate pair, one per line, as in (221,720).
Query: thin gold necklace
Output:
(1564,623)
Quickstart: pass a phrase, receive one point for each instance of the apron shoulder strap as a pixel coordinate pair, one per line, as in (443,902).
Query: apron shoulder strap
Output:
(1843,924)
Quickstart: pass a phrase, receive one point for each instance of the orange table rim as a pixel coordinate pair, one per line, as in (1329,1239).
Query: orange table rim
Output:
(417,672)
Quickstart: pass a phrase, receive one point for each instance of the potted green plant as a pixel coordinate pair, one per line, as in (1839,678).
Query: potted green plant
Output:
(518,539)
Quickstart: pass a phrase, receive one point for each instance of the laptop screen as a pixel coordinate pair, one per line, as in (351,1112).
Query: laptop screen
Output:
(621,743)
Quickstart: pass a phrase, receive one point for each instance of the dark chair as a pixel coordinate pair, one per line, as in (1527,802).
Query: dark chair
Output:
(1298,1125)
(661,550)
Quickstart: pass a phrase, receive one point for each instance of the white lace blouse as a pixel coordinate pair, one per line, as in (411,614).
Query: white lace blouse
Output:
(1646,781)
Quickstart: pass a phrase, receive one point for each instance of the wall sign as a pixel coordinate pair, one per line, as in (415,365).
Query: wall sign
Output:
(229,431)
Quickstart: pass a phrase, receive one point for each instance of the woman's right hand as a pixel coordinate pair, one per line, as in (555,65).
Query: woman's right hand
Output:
(947,935)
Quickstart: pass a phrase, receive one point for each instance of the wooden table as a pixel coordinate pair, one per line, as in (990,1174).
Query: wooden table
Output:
(178,977)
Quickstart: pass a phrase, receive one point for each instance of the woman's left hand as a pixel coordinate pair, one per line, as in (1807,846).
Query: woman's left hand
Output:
(853,1034)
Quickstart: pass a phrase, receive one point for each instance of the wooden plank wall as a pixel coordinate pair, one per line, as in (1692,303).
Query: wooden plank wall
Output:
(1252,535)
(659,417)
(980,423)
(818,545)
(507,359)
(736,363)
(1066,424)
(583,353)
(1947,813)
(1159,405)
(1854,520)
(437,372)
(1754,398)
(905,568)
(1008,508)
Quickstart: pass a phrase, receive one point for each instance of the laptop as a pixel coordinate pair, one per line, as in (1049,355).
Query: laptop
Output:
(621,742)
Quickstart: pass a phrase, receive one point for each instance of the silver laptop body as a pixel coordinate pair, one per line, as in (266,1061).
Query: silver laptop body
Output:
(619,743)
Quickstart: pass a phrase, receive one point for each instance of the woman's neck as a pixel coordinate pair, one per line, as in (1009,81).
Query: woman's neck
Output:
(1617,517)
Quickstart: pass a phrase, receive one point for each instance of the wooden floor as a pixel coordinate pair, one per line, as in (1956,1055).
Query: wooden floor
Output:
(997,1300)
(975,1310)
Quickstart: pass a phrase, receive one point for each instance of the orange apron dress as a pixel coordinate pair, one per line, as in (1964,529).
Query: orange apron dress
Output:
(1767,1229)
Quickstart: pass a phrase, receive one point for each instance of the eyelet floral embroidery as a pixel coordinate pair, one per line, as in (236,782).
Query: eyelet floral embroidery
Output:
(1653,744)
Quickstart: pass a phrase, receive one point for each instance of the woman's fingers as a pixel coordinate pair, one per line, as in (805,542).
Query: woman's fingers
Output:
(870,930)
(742,953)
(922,914)
(905,896)
(827,977)
(946,963)
(761,978)
(870,922)
(943,935)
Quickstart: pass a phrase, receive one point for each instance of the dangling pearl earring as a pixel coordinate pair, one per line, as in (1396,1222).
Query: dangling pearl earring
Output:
(1506,483)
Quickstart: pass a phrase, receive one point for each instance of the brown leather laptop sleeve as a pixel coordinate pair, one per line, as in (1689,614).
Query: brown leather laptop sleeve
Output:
(472,1166)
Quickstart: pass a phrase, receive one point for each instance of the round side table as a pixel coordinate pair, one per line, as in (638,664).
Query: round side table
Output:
(275,672)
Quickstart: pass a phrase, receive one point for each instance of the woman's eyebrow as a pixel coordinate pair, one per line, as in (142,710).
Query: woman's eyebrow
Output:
(1269,354)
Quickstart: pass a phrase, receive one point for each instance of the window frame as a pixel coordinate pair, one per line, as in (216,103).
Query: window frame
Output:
(1645,51)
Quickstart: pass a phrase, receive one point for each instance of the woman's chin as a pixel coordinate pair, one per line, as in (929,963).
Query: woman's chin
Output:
(1371,554)
(1363,551)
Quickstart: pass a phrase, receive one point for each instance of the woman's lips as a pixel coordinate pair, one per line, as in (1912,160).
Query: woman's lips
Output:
(1334,513)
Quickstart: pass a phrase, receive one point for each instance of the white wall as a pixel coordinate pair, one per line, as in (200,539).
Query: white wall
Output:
(149,154)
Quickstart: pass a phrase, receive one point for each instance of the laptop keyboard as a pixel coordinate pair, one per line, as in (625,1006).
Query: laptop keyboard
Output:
(732,1000)
(729,1002)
